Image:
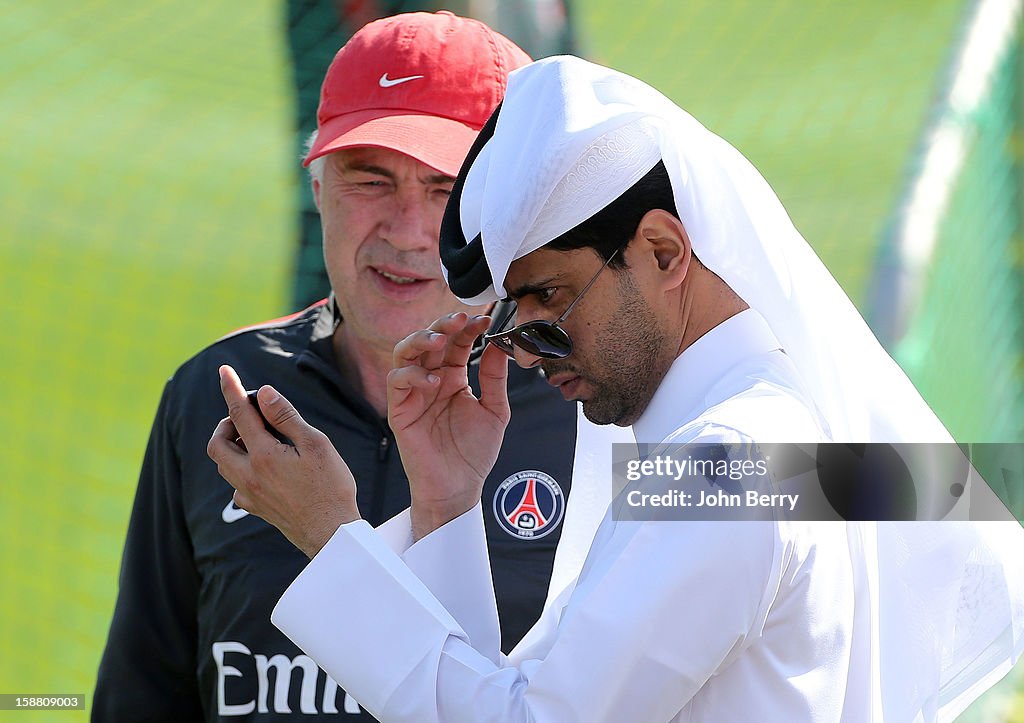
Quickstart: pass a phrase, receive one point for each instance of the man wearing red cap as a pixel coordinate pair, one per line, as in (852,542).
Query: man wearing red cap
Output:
(191,637)
(315,29)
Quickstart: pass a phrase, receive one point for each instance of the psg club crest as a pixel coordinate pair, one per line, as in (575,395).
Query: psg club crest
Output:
(529,504)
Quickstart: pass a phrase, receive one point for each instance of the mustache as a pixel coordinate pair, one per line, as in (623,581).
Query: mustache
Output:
(550,368)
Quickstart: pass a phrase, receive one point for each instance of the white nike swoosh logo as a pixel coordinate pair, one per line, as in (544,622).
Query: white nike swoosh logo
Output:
(232,513)
(386,82)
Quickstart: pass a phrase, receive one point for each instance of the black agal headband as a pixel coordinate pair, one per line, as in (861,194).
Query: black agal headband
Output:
(468,274)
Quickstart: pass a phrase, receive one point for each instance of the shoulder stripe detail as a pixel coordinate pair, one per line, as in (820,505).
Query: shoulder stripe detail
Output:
(275,322)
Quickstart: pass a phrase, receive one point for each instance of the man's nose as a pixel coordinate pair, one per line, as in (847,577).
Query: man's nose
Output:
(410,225)
(524,358)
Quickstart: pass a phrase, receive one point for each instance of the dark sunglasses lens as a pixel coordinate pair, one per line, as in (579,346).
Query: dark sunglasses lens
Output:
(502,341)
(544,340)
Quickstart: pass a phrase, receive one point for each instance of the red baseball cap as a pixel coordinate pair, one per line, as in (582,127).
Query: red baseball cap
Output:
(422,84)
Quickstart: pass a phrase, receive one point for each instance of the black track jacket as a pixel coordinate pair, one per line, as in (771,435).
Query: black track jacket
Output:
(191,637)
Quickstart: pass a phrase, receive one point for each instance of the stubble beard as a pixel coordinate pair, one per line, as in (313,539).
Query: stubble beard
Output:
(632,361)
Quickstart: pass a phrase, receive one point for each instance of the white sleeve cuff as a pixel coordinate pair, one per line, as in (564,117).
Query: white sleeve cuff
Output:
(397,532)
(452,562)
(361,613)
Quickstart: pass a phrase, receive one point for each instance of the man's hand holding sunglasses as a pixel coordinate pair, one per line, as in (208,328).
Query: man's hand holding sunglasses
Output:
(448,438)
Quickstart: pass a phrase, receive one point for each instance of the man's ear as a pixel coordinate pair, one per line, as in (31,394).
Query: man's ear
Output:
(663,237)
(316,193)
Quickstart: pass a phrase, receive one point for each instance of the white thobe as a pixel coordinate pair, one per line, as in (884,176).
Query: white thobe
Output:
(667,621)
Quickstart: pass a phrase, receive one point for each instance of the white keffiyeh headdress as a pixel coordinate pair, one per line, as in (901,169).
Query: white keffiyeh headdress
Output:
(945,600)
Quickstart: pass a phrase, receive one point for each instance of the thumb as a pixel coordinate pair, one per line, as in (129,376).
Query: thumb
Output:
(281,414)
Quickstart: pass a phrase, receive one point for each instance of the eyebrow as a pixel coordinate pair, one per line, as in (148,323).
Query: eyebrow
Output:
(533,287)
(379,171)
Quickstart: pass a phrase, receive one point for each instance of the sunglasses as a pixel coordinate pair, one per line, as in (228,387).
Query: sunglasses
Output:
(545,339)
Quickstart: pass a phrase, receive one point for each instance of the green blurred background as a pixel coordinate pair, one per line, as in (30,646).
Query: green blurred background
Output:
(148,203)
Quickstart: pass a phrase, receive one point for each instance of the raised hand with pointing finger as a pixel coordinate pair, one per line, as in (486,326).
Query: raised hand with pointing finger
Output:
(448,438)
(304,489)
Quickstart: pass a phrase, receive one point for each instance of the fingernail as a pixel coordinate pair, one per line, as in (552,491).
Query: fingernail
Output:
(433,378)
(270,395)
(434,335)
